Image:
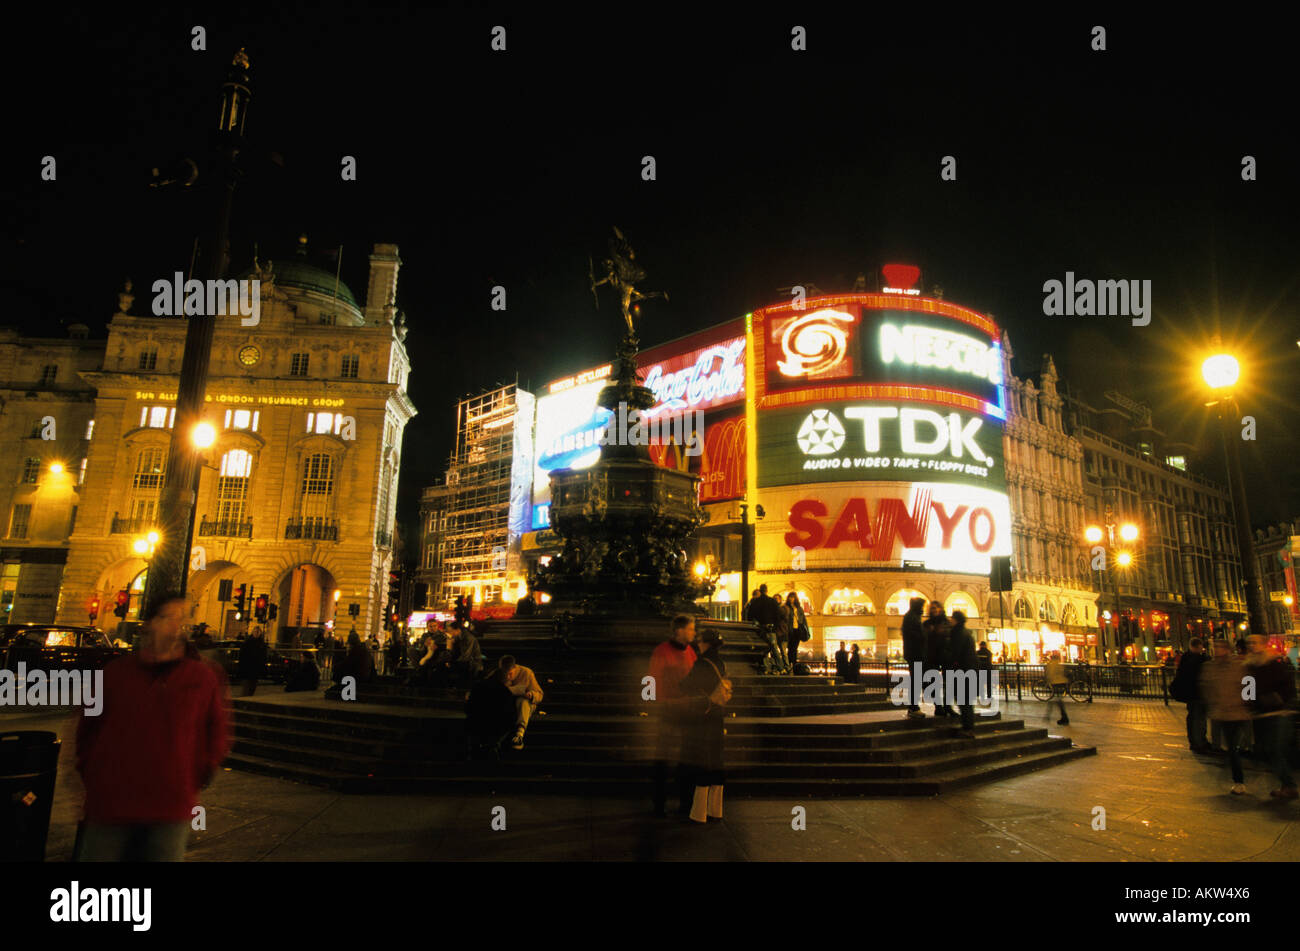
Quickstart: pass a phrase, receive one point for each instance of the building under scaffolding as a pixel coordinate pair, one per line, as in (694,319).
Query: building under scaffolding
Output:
(487,495)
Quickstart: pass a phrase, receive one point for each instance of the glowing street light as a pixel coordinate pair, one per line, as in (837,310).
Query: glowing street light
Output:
(203,435)
(140,546)
(1124,559)
(1128,532)
(1093,534)
(56,468)
(1221,371)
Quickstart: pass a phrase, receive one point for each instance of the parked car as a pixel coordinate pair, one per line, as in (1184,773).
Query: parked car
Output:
(56,647)
(226,653)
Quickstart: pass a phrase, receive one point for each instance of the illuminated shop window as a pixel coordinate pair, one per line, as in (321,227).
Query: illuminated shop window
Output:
(242,419)
(963,602)
(1047,611)
(900,601)
(848,602)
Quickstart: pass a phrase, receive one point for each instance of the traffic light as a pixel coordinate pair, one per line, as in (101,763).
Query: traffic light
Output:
(271,611)
(395,586)
(241,600)
(94,608)
(123,603)
(223,589)
(259,608)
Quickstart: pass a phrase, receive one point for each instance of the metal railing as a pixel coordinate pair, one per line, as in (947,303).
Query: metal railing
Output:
(322,530)
(129,526)
(225,529)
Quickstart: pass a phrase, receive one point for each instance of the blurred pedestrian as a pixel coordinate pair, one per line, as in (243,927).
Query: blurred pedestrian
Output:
(252,661)
(961,661)
(708,691)
(1221,688)
(842,664)
(914,654)
(796,626)
(1057,681)
(669,664)
(1271,708)
(1186,689)
(936,648)
(855,664)
(159,739)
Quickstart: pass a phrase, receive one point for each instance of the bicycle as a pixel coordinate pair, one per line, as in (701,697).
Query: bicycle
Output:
(1076,690)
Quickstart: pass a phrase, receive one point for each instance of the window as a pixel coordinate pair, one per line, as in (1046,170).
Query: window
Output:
(322,424)
(81,476)
(298,364)
(22,514)
(157,417)
(38,425)
(48,373)
(348,369)
(242,419)
(72,521)
(148,359)
(318,475)
(31,471)
(90,430)
(149,469)
(232,485)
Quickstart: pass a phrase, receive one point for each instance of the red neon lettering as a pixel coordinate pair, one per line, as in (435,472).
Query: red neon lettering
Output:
(948,523)
(893,519)
(803,518)
(985,545)
(854,524)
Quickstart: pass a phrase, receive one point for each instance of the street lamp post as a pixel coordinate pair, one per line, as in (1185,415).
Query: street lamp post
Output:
(1221,373)
(169,566)
(1128,532)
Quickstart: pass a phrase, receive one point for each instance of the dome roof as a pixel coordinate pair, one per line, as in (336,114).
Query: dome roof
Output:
(294,271)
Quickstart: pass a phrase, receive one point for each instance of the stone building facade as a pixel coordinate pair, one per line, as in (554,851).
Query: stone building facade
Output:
(46,409)
(296,499)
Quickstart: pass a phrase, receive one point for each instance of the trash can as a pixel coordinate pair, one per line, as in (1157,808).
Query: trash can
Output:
(29,762)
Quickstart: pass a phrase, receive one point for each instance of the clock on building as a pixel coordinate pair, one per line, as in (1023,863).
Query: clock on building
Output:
(249,356)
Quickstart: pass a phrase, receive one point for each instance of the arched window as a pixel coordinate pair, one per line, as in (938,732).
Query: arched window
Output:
(848,602)
(1023,610)
(963,602)
(899,601)
(232,486)
(1069,615)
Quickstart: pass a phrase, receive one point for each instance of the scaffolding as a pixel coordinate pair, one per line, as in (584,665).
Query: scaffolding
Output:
(476,538)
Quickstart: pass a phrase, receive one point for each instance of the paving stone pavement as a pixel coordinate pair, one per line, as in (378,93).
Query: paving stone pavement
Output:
(1161,804)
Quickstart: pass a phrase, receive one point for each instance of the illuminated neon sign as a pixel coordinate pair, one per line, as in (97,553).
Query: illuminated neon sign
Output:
(941,349)
(717,375)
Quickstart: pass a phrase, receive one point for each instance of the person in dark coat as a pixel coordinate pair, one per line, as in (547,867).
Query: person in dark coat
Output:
(961,659)
(489,713)
(703,728)
(936,649)
(766,612)
(984,663)
(1186,688)
(855,664)
(1271,709)
(252,661)
(842,665)
(796,625)
(914,653)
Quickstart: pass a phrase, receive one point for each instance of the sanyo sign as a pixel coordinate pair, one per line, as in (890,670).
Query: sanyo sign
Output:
(942,350)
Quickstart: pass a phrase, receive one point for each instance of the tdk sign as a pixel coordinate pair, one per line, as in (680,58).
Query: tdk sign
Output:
(918,432)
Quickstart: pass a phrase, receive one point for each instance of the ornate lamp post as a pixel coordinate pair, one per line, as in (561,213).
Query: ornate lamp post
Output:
(1221,373)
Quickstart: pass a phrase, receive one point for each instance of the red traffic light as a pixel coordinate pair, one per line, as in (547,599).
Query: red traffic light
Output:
(261,602)
(123,598)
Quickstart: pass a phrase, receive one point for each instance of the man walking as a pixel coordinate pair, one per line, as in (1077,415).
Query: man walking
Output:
(1221,686)
(669,664)
(914,654)
(160,739)
(1186,688)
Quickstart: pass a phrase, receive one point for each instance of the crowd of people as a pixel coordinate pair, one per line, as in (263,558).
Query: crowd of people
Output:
(1243,694)
(936,642)
(782,624)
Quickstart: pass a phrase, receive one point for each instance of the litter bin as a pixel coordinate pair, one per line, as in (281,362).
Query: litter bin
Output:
(29,761)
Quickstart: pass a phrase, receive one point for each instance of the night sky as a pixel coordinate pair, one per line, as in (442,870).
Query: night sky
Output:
(773,168)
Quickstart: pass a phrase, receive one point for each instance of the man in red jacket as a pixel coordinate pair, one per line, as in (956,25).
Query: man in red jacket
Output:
(671,661)
(161,736)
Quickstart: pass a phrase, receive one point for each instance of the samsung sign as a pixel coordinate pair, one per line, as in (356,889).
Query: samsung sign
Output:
(849,442)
